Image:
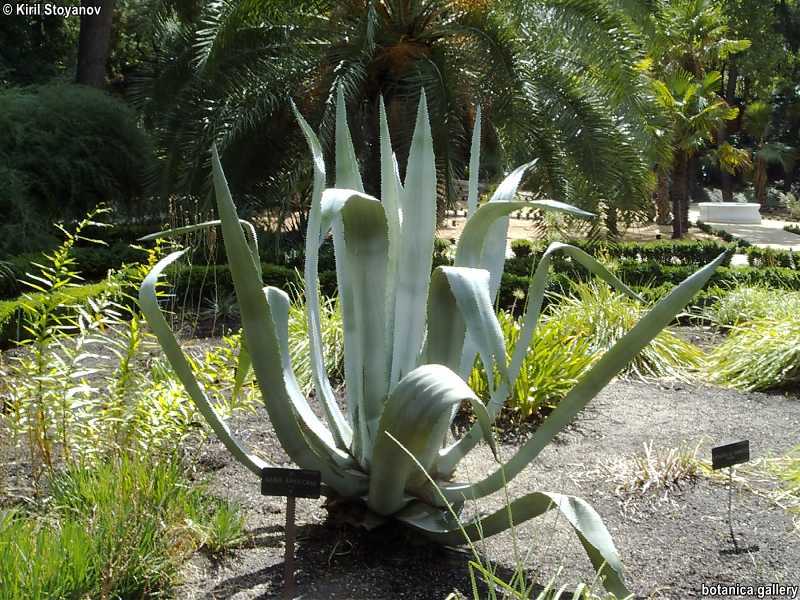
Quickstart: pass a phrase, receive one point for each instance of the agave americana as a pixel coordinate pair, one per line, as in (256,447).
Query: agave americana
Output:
(411,336)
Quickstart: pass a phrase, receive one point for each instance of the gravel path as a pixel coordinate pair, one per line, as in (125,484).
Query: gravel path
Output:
(670,547)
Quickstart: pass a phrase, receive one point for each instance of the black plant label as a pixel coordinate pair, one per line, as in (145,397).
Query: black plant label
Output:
(299,483)
(730,454)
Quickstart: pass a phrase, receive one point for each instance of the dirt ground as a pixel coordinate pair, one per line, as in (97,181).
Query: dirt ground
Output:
(670,546)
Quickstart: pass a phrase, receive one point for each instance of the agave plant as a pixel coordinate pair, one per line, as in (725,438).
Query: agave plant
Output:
(411,336)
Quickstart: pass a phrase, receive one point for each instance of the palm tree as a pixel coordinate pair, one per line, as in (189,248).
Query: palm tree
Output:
(684,37)
(556,80)
(757,118)
(695,112)
(691,35)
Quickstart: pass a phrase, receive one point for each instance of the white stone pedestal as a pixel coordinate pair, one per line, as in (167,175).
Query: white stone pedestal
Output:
(729,212)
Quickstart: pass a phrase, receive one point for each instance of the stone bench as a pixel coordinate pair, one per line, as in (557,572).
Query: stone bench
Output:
(729,212)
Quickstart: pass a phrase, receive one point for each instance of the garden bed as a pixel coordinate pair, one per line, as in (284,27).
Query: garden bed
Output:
(670,547)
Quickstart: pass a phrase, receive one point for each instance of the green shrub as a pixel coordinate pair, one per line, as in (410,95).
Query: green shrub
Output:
(119,529)
(787,468)
(601,316)
(15,314)
(553,365)
(758,355)
(577,328)
(522,248)
(63,150)
(743,304)
(669,252)
(196,282)
(57,413)
(666,252)
(770,257)
(332,335)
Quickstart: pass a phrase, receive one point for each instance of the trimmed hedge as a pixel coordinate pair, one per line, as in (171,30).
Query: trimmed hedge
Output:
(666,252)
(722,234)
(197,281)
(651,279)
(792,229)
(655,275)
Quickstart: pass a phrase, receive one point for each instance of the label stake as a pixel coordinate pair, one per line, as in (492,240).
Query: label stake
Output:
(291,483)
(728,456)
(288,554)
(730,509)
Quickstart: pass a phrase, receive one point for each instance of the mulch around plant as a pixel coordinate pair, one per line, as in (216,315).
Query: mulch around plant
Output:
(670,546)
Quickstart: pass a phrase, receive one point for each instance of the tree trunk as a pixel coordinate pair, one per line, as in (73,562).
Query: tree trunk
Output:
(611,222)
(760,181)
(94,43)
(662,199)
(726,179)
(788,178)
(692,176)
(680,196)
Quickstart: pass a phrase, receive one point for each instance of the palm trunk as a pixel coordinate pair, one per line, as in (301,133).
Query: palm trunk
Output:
(662,199)
(695,185)
(611,222)
(680,196)
(726,179)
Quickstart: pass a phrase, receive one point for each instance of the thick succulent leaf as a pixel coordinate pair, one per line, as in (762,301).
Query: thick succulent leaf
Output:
(469,250)
(442,527)
(446,325)
(340,428)
(459,303)
(391,190)
(562,207)
(611,363)
(416,247)
(322,440)
(252,238)
(365,253)
(347,176)
(148,302)
(243,364)
(347,172)
(391,186)
(261,335)
(530,320)
(474,166)
(483,242)
(416,417)
(493,253)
